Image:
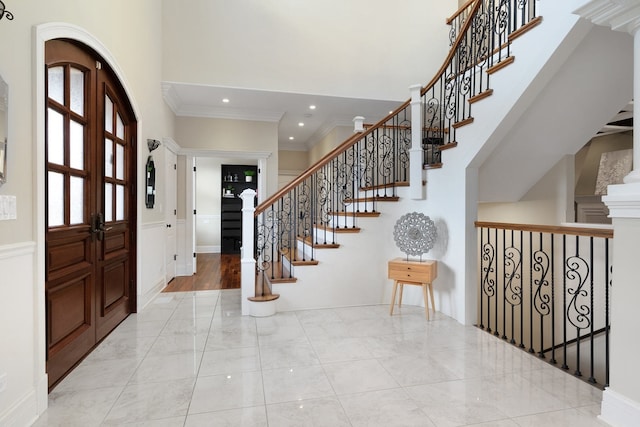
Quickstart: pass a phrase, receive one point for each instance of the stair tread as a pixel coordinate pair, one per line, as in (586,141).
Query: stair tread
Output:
(373,199)
(309,242)
(293,259)
(338,230)
(389,185)
(277,274)
(358,214)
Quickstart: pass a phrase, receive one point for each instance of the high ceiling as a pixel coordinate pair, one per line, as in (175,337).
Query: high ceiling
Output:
(288,109)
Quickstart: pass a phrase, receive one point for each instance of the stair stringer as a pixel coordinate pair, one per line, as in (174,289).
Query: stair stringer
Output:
(356,273)
(569,78)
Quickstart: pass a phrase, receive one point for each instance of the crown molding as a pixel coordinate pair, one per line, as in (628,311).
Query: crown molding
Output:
(620,15)
(193,152)
(209,112)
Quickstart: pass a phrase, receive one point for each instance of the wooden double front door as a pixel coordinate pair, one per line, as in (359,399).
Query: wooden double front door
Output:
(90,204)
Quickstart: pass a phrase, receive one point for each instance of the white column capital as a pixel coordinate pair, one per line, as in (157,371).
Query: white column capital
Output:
(358,124)
(623,200)
(415,92)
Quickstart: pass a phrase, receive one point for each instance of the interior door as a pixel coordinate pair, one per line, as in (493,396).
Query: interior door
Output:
(171,212)
(90,267)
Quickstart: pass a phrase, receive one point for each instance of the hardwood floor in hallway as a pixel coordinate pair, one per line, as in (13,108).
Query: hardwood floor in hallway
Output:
(215,271)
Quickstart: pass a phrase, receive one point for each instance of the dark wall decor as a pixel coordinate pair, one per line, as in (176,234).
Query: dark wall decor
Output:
(4,12)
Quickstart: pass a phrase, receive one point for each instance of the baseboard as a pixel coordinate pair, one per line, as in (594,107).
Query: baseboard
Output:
(23,413)
(210,249)
(618,410)
(144,300)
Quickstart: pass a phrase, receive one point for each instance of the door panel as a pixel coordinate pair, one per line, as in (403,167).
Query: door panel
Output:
(171,197)
(89,278)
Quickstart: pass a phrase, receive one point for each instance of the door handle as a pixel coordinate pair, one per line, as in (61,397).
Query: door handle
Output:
(99,226)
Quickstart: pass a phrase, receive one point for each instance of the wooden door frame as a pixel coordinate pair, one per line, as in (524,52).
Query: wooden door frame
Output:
(42,34)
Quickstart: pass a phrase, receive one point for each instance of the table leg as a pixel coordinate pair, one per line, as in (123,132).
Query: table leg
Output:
(433,301)
(393,296)
(426,299)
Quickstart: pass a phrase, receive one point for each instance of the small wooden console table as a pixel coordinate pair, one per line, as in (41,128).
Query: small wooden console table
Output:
(419,273)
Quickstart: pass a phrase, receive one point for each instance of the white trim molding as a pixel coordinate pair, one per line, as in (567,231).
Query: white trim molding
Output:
(620,15)
(226,154)
(618,410)
(623,200)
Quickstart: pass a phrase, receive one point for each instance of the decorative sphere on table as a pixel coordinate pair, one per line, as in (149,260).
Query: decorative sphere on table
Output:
(415,233)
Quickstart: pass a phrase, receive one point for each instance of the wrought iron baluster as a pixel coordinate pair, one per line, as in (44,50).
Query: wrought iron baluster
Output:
(531,292)
(564,302)
(497,243)
(606,311)
(553,301)
(592,378)
(522,293)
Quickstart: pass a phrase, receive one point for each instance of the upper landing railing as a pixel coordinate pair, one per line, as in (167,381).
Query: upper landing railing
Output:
(348,182)
(547,289)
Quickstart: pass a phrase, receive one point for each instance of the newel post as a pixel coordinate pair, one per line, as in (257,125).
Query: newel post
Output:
(247,261)
(416,188)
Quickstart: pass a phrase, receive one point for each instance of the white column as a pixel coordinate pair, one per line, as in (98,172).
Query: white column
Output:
(416,174)
(634,176)
(247,262)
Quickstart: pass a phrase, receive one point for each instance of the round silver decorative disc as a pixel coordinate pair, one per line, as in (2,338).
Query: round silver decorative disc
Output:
(415,233)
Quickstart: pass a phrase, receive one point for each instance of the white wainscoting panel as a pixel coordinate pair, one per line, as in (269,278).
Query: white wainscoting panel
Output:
(151,255)
(19,334)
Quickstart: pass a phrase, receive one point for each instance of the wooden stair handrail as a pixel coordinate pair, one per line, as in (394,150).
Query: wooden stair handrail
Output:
(551,229)
(350,142)
(459,11)
(454,47)
(361,135)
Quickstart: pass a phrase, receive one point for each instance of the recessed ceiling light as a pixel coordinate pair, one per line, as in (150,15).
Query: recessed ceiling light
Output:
(225,100)
(312,107)
(300,124)
(291,138)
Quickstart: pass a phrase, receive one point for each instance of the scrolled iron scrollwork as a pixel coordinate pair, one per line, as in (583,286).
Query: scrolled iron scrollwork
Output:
(513,276)
(502,14)
(488,257)
(577,311)
(4,12)
(541,266)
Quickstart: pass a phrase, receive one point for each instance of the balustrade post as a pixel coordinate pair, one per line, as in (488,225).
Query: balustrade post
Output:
(247,260)
(415,154)
(358,124)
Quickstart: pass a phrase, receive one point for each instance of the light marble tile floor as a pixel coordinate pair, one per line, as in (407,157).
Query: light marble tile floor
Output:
(190,359)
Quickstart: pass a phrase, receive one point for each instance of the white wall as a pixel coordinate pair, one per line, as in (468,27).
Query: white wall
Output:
(22,281)
(331,140)
(321,47)
(232,136)
(548,202)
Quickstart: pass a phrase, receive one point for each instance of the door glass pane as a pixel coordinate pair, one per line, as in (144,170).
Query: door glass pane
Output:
(119,202)
(76,150)
(108,157)
(119,161)
(108,114)
(76,197)
(119,127)
(56,199)
(108,202)
(77,91)
(55,80)
(55,137)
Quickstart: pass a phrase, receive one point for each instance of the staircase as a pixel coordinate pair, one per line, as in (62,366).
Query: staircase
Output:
(324,239)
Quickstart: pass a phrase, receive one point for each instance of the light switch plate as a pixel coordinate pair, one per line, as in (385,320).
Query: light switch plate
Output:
(8,208)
